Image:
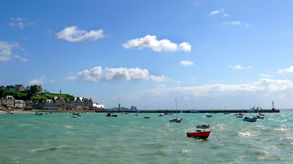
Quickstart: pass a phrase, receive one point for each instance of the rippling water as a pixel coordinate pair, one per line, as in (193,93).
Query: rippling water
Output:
(95,138)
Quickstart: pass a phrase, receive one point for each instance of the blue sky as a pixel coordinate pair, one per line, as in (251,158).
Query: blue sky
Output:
(207,54)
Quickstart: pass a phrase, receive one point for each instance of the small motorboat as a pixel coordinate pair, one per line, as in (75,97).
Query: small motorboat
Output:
(176,120)
(108,114)
(239,115)
(199,133)
(209,115)
(147,117)
(74,116)
(203,126)
(260,116)
(160,115)
(248,119)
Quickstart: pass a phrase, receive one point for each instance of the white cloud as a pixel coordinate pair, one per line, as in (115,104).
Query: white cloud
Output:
(217,96)
(150,41)
(97,74)
(265,75)
(37,81)
(20,58)
(186,63)
(19,22)
(7,51)
(240,67)
(287,70)
(71,78)
(219,11)
(73,34)
(235,22)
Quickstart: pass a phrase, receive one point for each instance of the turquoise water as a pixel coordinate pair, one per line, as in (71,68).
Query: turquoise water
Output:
(95,138)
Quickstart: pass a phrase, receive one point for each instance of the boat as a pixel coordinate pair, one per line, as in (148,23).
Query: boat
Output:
(38,113)
(176,120)
(248,119)
(209,115)
(199,133)
(239,115)
(260,116)
(74,116)
(203,126)
(160,115)
(111,115)
(147,117)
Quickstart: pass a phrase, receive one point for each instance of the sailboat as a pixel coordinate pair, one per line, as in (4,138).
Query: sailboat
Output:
(176,120)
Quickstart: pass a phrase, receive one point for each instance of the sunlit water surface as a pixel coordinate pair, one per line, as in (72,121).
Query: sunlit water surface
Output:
(95,138)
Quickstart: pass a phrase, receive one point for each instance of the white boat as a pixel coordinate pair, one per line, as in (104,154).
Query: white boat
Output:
(176,120)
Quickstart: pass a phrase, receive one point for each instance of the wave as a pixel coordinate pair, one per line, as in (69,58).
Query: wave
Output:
(48,148)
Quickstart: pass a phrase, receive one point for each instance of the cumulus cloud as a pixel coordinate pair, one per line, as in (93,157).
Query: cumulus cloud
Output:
(219,11)
(240,67)
(37,81)
(7,51)
(97,74)
(73,34)
(19,22)
(186,63)
(150,41)
(287,70)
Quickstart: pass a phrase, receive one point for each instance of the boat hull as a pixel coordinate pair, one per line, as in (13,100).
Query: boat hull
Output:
(175,120)
(201,135)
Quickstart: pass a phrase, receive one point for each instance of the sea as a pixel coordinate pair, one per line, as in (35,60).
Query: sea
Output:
(131,139)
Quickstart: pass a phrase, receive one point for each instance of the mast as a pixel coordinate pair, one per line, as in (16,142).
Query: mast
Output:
(176,108)
(273,105)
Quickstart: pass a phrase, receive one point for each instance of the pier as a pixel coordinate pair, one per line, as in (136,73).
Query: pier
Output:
(166,111)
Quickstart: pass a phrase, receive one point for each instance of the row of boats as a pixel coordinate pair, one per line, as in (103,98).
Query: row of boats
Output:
(250,119)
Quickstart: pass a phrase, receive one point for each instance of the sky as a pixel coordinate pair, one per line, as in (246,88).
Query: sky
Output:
(207,54)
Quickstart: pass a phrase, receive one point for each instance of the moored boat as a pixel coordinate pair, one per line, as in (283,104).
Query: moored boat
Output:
(260,116)
(239,115)
(209,115)
(248,119)
(203,126)
(147,117)
(177,120)
(199,133)
(160,115)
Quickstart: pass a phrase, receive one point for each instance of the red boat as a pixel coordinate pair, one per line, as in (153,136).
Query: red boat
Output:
(199,133)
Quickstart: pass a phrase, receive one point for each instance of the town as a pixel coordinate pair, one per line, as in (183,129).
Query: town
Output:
(33,97)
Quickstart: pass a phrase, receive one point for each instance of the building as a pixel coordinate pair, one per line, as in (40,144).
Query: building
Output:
(2,87)
(10,88)
(19,87)
(97,106)
(19,104)
(133,108)
(8,101)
